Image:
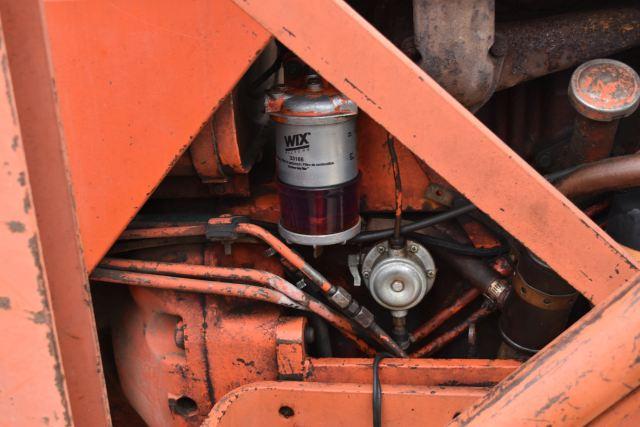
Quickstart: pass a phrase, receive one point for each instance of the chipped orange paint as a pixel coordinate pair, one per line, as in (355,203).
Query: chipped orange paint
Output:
(423,372)
(237,274)
(438,320)
(290,351)
(128,116)
(32,387)
(45,149)
(575,378)
(310,404)
(441,132)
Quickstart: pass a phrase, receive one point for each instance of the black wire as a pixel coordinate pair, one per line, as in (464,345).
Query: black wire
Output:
(459,248)
(374,236)
(377,389)
(395,166)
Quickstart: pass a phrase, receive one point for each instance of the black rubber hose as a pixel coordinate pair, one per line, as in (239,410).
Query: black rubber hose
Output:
(459,248)
(479,274)
(374,236)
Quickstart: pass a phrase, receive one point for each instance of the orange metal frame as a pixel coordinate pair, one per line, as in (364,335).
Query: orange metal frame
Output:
(134,82)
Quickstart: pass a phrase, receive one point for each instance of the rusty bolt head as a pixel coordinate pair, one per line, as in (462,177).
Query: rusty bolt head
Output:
(605,90)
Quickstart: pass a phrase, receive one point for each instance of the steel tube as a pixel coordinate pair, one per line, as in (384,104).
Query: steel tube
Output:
(617,173)
(438,320)
(588,368)
(541,46)
(193,285)
(244,274)
(158,232)
(351,305)
(453,333)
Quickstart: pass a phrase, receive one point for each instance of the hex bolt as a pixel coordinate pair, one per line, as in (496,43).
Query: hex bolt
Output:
(431,274)
(602,91)
(413,248)
(382,249)
(397,286)
(365,274)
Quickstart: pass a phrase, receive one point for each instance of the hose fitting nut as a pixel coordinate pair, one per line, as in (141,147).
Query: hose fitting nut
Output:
(341,298)
(364,318)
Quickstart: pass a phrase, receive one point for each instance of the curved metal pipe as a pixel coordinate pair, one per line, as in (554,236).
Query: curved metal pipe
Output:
(239,274)
(439,319)
(616,173)
(237,290)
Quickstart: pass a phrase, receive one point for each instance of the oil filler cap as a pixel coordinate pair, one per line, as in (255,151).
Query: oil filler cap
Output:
(605,90)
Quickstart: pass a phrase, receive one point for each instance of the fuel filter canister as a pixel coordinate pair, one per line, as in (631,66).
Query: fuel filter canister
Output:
(317,163)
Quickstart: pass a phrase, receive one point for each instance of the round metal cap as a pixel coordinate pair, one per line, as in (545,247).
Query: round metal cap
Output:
(398,284)
(398,279)
(605,90)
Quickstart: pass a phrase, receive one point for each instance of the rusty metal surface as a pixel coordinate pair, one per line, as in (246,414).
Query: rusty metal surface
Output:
(444,339)
(545,45)
(290,350)
(156,93)
(433,126)
(602,91)
(309,404)
(590,141)
(171,344)
(605,90)
(575,378)
(204,155)
(166,347)
(32,386)
(616,173)
(192,230)
(283,288)
(477,56)
(439,319)
(45,148)
(152,369)
(457,58)
(376,187)
(182,284)
(373,330)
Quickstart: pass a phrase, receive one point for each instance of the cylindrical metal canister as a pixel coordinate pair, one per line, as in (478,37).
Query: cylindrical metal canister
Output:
(317,163)
(538,309)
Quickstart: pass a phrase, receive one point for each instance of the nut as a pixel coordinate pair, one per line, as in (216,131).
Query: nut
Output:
(397,286)
(364,318)
(341,298)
